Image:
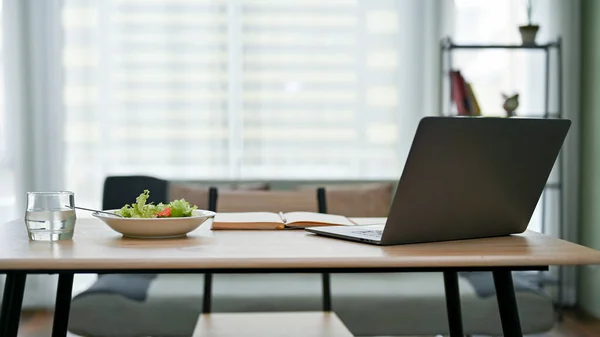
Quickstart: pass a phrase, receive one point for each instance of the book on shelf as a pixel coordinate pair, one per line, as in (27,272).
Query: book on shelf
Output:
(459,93)
(463,95)
(269,220)
(475,109)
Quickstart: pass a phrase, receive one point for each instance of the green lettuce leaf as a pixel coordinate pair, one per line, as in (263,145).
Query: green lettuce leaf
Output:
(181,208)
(126,211)
(141,209)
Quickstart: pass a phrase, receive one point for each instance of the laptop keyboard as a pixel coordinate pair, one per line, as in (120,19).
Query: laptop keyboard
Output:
(375,233)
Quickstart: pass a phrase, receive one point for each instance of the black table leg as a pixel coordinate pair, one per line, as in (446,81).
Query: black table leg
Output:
(453,304)
(326,277)
(12,302)
(62,305)
(207,296)
(507,304)
(6,302)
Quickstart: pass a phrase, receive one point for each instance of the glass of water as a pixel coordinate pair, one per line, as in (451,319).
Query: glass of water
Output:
(50,216)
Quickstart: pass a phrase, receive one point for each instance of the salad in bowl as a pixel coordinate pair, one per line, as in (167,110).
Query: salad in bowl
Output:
(148,220)
(142,210)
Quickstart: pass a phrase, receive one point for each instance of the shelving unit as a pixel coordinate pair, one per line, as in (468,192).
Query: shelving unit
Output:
(448,47)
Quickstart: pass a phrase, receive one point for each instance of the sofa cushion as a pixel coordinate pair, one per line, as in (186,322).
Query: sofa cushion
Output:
(357,200)
(197,194)
(267,201)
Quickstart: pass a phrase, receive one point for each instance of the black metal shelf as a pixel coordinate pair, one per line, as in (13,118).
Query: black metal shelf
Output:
(447,46)
(551,115)
(499,46)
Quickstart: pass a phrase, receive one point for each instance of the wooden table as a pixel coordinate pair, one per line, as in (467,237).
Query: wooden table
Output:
(97,249)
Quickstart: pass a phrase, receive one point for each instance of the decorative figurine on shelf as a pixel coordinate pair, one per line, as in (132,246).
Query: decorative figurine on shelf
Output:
(511,103)
(529,31)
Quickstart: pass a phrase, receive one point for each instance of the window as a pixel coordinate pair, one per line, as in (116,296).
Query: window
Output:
(237,89)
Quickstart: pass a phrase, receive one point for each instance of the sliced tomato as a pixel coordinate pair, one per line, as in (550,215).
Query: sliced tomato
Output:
(164,213)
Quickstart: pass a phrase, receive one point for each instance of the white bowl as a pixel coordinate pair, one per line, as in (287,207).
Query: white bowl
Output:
(155,228)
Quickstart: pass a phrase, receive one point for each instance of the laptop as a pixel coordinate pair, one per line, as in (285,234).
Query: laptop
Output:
(466,178)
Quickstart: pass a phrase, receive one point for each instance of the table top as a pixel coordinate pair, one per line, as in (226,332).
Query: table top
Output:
(97,247)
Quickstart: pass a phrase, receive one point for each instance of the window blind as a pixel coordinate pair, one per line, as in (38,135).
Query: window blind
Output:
(233,89)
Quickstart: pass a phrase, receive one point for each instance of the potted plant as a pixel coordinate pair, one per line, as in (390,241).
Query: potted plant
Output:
(529,31)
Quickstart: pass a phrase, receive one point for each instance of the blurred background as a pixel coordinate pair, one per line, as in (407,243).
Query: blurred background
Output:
(301,91)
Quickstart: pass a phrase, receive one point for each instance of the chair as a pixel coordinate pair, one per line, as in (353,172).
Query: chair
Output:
(267,201)
(121,190)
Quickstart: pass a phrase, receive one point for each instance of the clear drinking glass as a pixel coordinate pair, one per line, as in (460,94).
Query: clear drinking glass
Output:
(50,216)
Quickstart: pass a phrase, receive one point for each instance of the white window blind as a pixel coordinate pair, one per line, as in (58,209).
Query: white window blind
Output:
(146,89)
(238,89)
(312,104)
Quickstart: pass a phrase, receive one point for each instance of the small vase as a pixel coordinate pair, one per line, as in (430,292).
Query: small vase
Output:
(528,34)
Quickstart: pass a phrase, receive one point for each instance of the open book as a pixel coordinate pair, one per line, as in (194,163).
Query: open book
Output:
(267,220)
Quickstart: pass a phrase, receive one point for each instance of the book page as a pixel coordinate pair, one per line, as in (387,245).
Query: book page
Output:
(247,220)
(248,217)
(305,219)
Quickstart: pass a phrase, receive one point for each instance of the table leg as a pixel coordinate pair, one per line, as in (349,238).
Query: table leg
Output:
(12,302)
(62,305)
(6,301)
(207,296)
(453,303)
(326,277)
(507,303)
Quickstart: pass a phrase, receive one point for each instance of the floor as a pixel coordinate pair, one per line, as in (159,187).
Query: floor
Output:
(575,324)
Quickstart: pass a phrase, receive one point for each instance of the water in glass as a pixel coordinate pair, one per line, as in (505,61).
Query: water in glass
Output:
(50,216)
